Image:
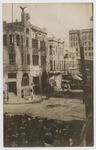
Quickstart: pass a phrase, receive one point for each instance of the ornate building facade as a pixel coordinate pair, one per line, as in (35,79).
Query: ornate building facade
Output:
(24,56)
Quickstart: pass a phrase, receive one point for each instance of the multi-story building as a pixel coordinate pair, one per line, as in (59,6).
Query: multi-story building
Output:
(55,54)
(86,37)
(24,56)
(72,62)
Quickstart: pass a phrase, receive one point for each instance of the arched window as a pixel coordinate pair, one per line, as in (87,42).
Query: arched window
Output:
(25,79)
(27,31)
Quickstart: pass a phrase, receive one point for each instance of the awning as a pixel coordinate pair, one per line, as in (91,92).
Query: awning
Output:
(80,75)
(54,72)
(66,81)
(76,77)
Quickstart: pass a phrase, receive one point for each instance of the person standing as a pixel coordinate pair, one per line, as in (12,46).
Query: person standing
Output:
(32,91)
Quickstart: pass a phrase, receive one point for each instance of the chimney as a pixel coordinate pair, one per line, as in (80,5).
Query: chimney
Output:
(23,18)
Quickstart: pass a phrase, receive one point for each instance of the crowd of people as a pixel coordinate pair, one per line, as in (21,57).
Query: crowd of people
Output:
(28,131)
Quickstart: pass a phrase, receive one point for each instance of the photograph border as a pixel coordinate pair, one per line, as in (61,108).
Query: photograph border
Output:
(1,68)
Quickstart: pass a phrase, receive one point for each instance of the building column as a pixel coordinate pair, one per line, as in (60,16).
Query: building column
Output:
(40,72)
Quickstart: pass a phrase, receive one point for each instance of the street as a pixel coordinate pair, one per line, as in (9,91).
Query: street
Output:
(53,108)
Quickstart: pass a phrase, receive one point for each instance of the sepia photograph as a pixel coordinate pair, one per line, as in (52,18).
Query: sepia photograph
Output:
(48,51)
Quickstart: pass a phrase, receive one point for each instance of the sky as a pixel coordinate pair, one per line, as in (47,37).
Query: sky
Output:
(57,18)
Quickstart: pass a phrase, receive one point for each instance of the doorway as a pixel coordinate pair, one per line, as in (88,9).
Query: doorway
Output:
(36,83)
(13,87)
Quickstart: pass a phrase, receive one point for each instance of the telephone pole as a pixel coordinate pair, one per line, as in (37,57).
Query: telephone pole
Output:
(12,12)
(87,97)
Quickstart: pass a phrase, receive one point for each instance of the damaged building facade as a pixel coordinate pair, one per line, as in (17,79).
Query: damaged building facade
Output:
(24,56)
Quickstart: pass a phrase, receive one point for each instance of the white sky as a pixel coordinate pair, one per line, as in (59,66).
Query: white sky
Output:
(58,18)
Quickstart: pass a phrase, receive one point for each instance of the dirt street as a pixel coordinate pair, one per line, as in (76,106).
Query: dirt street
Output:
(53,108)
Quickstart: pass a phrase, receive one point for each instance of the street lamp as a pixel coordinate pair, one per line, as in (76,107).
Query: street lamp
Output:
(66,56)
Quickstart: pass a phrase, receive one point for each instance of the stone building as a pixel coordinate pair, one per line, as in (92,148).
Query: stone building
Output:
(55,55)
(86,37)
(24,56)
(72,62)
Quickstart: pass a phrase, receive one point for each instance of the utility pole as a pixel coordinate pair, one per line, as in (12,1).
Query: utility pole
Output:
(88,99)
(12,12)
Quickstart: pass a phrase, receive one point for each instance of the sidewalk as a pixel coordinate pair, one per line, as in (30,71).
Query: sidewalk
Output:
(13,99)
(17,100)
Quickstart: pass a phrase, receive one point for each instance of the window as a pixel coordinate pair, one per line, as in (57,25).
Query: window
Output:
(89,53)
(89,48)
(27,31)
(25,79)
(85,37)
(43,60)
(27,42)
(50,50)
(70,38)
(28,59)
(12,75)
(74,38)
(51,68)
(21,39)
(35,60)
(85,42)
(54,52)
(22,59)
(89,43)
(76,49)
(42,45)
(4,40)
(54,64)
(18,40)
(35,43)
(85,48)
(11,39)
(11,59)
